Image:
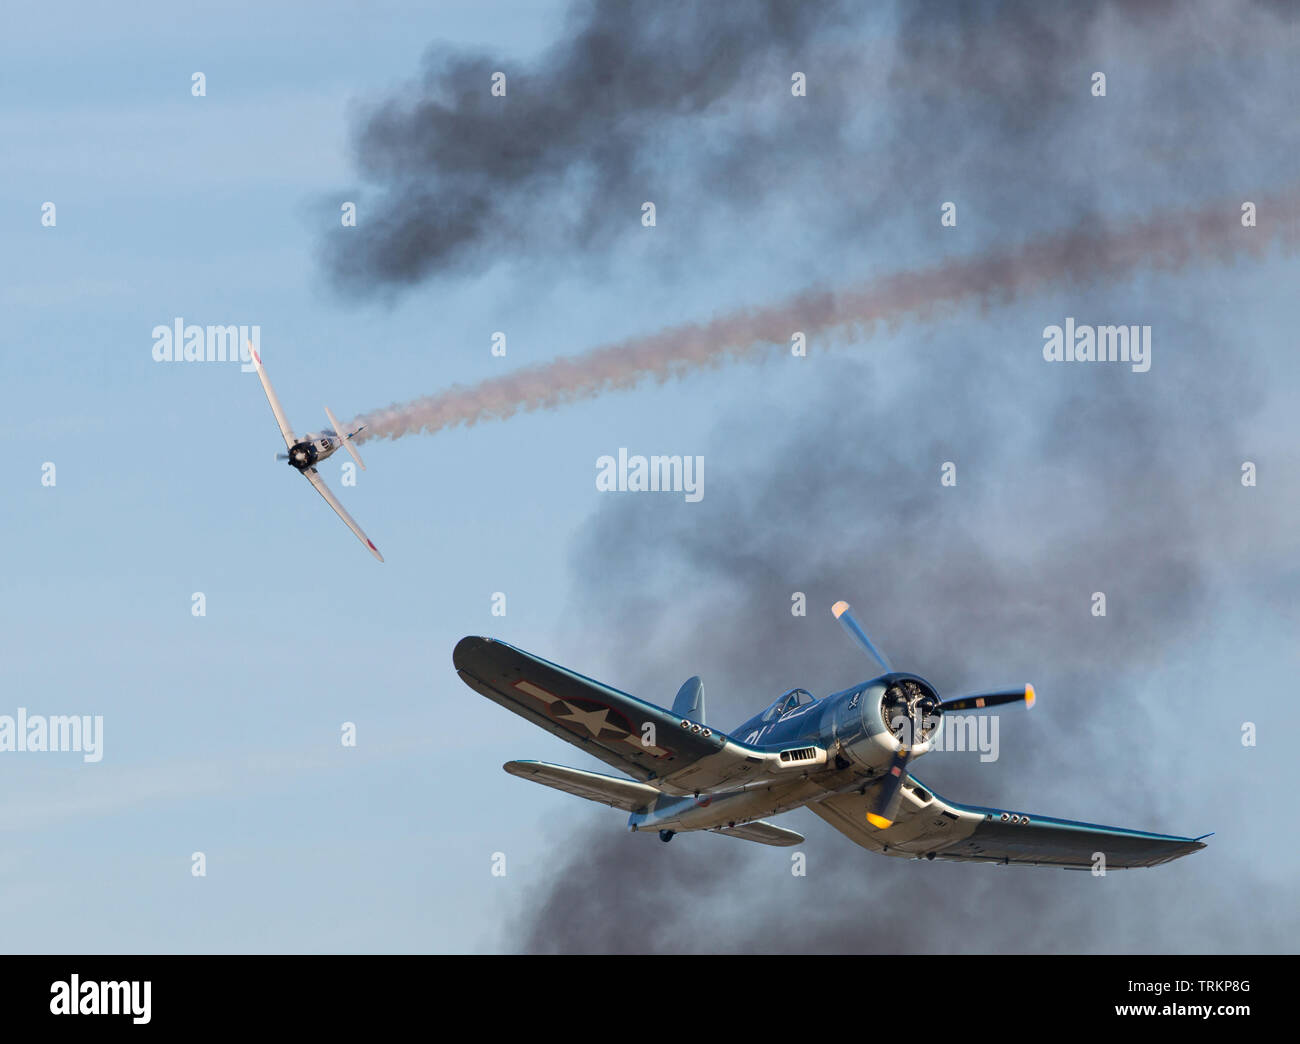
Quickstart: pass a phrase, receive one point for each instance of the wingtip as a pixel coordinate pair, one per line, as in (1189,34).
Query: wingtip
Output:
(465,648)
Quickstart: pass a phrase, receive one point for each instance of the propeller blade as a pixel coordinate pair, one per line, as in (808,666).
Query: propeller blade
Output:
(990,699)
(845,616)
(890,796)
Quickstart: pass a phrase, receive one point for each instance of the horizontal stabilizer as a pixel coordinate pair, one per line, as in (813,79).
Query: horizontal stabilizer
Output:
(345,438)
(764,833)
(690,701)
(626,794)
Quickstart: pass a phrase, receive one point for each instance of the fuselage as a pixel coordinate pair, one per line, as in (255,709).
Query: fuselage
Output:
(864,723)
(312,448)
(859,730)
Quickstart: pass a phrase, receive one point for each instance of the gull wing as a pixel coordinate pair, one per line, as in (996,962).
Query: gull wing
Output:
(313,476)
(930,826)
(280,418)
(649,743)
(645,741)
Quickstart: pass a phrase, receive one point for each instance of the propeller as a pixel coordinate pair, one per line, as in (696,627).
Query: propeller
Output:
(844,614)
(889,794)
(990,699)
(920,706)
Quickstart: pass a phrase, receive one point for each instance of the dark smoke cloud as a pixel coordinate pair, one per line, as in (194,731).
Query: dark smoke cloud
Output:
(1071,480)
(567,157)
(1116,488)
(689,105)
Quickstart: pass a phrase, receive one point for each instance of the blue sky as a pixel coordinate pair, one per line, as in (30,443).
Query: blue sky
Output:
(222,732)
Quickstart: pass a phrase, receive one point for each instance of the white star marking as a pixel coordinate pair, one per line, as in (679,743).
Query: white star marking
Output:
(592,721)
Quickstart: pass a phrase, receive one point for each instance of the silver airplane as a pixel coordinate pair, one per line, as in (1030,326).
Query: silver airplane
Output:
(845,757)
(306,452)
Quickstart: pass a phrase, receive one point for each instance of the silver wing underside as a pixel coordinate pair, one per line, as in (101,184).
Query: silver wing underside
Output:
(930,826)
(274,400)
(313,476)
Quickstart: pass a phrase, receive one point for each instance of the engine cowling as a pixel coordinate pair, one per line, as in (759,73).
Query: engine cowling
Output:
(890,713)
(303,455)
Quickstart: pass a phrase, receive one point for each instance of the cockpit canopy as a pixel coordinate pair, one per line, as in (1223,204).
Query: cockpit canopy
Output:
(786,703)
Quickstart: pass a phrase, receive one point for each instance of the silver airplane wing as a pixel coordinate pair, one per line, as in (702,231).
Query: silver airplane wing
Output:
(931,827)
(313,476)
(280,418)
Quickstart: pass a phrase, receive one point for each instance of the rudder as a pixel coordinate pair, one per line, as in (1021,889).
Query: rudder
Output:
(690,700)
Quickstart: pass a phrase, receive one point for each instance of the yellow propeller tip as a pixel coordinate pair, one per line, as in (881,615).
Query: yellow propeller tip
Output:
(879,822)
(839,609)
(1029,696)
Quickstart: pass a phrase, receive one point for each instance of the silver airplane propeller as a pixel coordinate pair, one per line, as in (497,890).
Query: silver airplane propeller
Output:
(889,794)
(844,614)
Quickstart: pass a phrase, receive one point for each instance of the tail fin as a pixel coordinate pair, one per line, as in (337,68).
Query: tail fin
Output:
(690,700)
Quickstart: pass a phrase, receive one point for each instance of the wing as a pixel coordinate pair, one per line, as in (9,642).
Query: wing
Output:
(276,408)
(649,743)
(931,827)
(313,476)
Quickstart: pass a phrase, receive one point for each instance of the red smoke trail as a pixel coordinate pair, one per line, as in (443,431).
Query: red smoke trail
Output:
(1167,242)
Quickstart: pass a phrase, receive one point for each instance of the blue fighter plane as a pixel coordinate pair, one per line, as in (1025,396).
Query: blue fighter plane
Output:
(845,757)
